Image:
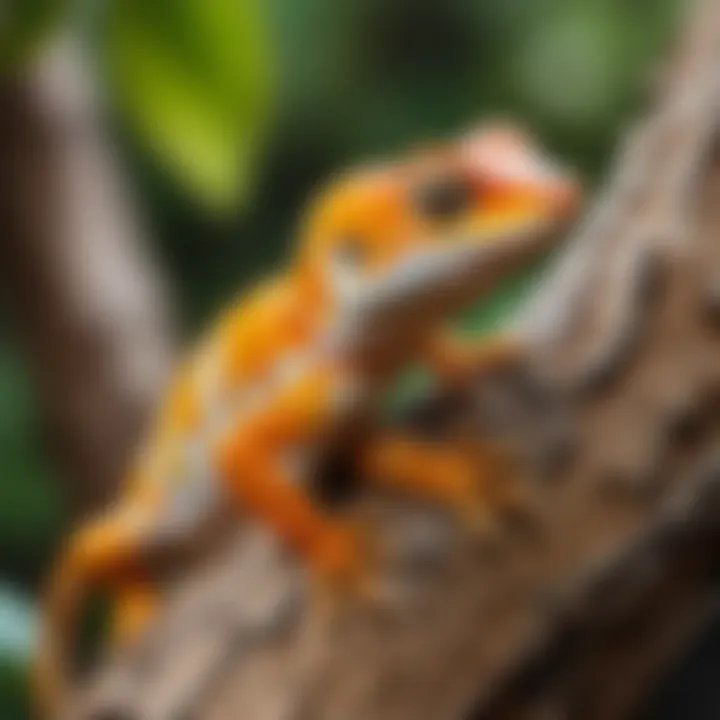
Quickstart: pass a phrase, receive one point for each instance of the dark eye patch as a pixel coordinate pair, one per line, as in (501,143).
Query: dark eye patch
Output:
(442,198)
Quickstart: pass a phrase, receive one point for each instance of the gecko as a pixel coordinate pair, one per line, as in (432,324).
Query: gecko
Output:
(386,254)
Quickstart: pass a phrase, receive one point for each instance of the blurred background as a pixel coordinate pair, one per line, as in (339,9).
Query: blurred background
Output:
(154,155)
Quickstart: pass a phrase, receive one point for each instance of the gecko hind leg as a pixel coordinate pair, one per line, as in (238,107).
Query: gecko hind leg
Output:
(435,472)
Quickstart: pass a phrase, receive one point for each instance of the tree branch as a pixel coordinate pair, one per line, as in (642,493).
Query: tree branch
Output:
(87,299)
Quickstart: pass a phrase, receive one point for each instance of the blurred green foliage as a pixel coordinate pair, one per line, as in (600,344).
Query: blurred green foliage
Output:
(24,24)
(191,77)
(231,100)
(31,505)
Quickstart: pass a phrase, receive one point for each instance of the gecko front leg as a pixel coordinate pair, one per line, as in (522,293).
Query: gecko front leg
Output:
(439,473)
(249,459)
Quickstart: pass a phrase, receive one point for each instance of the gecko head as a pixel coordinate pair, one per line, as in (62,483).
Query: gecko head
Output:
(512,180)
(447,206)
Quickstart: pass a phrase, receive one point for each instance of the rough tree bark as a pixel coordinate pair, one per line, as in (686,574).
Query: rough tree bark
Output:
(573,612)
(87,300)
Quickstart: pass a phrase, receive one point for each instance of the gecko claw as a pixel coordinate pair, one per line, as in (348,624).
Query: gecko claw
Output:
(343,562)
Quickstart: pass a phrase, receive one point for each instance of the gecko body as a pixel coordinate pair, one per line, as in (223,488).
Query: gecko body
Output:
(386,255)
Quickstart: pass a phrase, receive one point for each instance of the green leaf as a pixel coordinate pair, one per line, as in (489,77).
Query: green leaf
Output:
(24,24)
(191,78)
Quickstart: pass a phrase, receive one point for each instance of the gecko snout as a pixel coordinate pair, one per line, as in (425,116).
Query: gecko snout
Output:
(513,173)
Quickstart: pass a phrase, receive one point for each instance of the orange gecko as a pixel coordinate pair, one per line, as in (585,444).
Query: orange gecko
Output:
(386,255)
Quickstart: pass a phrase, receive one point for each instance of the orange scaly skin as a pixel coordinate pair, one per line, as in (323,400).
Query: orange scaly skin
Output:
(283,370)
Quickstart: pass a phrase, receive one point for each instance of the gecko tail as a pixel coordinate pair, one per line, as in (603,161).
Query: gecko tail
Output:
(60,618)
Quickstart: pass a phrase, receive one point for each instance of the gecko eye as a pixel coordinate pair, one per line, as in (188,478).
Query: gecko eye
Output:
(350,251)
(442,198)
